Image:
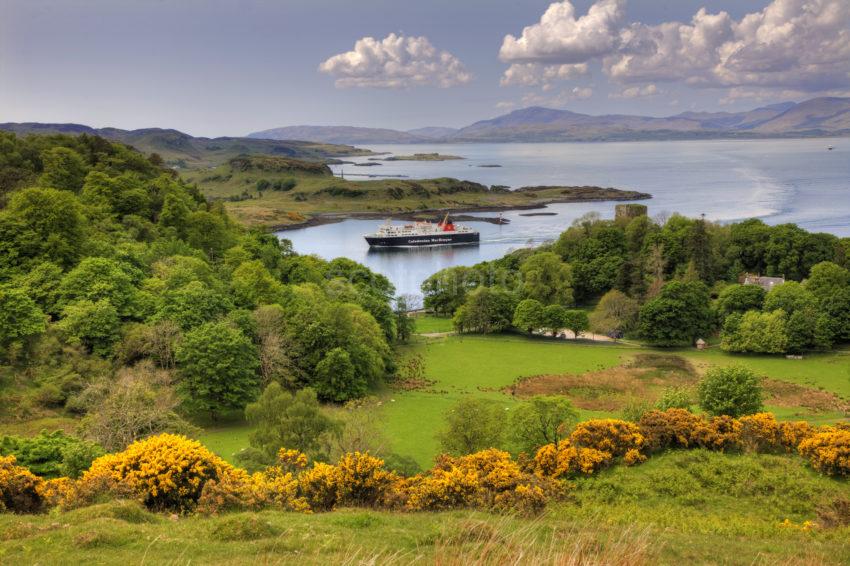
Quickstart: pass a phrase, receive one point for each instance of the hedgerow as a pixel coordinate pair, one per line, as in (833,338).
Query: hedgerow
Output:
(172,473)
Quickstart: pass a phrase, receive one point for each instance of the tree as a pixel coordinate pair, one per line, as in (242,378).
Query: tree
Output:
(48,224)
(808,329)
(284,420)
(615,313)
(253,285)
(486,310)
(740,299)
(836,307)
(541,420)
(547,279)
(826,279)
(336,379)
(99,278)
(733,391)
(472,425)
(528,315)
(20,317)
(404,323)
(273,346)
(789,297)
(554,318)
(446,290)
(192,305)
(765,333)
(678,315)
(576,321)
(218,367)
(94,325)
(63,169)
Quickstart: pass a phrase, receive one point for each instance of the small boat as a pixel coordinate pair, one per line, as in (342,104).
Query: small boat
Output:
(829,148)
(445,233)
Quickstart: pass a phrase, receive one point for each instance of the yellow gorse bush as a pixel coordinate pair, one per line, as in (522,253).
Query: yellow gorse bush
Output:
(165,471)
(20,490)
(170,472)
(828,451)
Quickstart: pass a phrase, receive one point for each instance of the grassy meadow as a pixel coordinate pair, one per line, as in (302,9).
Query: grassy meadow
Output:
(600,378)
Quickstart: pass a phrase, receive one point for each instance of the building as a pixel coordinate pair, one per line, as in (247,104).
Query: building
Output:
(766,283)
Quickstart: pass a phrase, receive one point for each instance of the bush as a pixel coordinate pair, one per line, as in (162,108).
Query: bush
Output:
(472,425)
(761,433)
(613,436)
(20,489)
(732,391)
(320,486)
(166,472)
(565,460)
(674,398)
(673,428)
(828,451)
(362,479)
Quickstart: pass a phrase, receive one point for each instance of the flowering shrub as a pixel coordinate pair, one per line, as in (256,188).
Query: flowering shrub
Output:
(524,499)
(165,471)
(20,489)
(320,486)
(793,433)
(444,488)
(673,428)
(565,460)
(761,433)
(362,479)
(613,436)
(721,433)
(828,451)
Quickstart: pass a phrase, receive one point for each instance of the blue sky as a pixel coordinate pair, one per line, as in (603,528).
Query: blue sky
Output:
(229,68)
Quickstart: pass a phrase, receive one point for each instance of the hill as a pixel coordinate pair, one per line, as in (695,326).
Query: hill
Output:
(340,134)
(180,150)
(815,117)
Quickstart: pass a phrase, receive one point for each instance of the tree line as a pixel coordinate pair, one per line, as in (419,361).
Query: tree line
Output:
(668,280)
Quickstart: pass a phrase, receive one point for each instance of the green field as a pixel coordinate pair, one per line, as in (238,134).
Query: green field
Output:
(426,324)
(651,514)
(481,366)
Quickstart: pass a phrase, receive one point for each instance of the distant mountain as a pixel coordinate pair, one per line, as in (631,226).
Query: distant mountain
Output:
(818,116)
(182,150)
(433,132)
(340,134)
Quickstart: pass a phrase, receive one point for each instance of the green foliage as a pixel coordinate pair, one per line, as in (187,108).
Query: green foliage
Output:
(20,317)
(472,425)
(754,331)
(541,420)
(445,291)
(192,305)
(615,313)
(734,391)
(253,285)
(678,316)
(547,279)
(93,324)
(284,420)
(826,279)
(45,224)
(528,315)
(218,367)
(486,310)
(674,398)
(51,454)
(577,321)
(100,278)
(64,168)
(404,323)
(336,379)
(789,297)
(554,318)
(740,299)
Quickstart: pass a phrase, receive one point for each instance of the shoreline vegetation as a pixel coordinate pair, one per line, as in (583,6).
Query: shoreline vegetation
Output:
(419,157)
(279,193)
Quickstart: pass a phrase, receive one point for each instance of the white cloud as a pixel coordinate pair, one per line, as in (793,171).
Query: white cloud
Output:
(798,45)
(559,37)
(396,61)
(531,74)
(638,92)
(556,100)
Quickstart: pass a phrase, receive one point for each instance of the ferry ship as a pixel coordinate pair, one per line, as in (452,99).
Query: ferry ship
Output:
(445,233)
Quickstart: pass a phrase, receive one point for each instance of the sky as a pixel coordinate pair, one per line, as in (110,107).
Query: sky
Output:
(219,67)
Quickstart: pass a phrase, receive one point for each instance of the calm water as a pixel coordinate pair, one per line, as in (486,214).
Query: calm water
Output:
(777,180)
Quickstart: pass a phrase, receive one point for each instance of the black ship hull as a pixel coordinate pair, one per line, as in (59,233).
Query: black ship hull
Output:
(444,239)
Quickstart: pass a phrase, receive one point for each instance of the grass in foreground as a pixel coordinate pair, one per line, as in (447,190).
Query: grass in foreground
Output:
(684,507)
